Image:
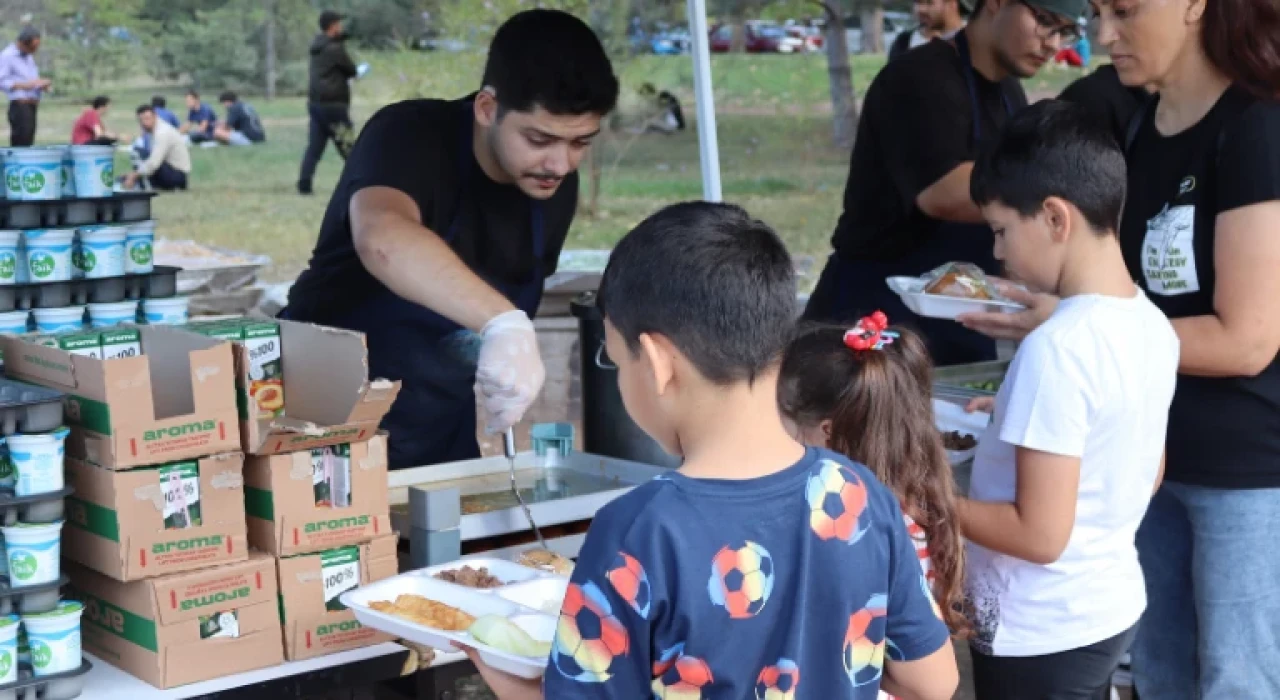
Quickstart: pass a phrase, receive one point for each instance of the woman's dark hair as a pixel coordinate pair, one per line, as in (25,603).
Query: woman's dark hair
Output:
(1242,39)
(100,101)
(880,404)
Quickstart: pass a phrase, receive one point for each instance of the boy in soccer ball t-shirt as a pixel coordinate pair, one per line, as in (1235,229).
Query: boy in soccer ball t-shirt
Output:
(760,568)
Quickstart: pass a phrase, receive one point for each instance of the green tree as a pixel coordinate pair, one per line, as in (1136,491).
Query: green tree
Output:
(94,40)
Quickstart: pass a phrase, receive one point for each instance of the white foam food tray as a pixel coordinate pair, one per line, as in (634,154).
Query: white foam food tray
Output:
(529,598)
(950,416)
(911,290)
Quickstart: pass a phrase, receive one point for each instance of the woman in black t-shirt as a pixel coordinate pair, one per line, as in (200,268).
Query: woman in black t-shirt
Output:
(1201,234)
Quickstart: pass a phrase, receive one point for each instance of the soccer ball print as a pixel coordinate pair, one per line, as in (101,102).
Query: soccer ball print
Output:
(677,676)
(588,636)
(864,646)
(741,579)
(632,585)
(837,499)
(779,681)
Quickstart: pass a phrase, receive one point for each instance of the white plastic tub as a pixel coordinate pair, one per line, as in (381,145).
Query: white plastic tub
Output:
(33,173)
(101,251)
(94,168)
(113,313)
(10,242)
(15,322)
(48,257)
(171,311)
(67,318)
(139,248)
(9,648)
(38,461)
(33,553)
(54,638)
(951,417)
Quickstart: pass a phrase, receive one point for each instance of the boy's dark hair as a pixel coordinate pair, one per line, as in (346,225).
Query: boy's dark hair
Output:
(550,59)
(192,93)
(716,282)
(143,109)
(228,96)
(158,101)
(1053,149)
(100,101)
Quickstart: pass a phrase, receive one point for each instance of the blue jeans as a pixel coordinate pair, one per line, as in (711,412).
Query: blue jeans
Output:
(1212,625)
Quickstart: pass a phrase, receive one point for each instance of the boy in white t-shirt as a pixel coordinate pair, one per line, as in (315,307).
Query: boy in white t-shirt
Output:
(1075,449)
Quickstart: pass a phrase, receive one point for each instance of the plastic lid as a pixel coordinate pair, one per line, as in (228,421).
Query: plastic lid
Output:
(8,620)
(66,607)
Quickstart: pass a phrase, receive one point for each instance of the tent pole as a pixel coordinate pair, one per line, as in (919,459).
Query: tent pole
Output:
(708,149)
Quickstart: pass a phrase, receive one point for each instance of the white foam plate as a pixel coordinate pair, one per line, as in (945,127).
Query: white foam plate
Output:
(539,625)
(949,416)
(542,594)
(508,572)
(911,290)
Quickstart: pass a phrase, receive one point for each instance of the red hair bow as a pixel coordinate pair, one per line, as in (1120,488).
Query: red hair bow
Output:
(870,333)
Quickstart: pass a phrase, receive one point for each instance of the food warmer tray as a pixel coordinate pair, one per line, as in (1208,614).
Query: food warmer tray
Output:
(953,383)
(560,490)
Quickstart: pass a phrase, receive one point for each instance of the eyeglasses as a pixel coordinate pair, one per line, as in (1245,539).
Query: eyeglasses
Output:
(1048,26)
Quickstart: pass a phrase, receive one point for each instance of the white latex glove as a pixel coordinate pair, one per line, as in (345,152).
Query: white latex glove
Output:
(509,371)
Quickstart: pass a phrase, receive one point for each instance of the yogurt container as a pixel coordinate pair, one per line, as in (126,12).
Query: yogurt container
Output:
(139,243)
(33,552)
(8,476)
(33,173)
(38,459)
(9,626)
(101,251)
(94,168)
(54,638)
(15,322)
(67,318)
(9,243)
(48,254)
(171,311)
(112,313)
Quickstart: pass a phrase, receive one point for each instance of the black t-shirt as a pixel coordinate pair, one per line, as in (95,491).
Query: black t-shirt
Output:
(241,117)
(1222,432)
(418,147)
(1106,99)
(916,127)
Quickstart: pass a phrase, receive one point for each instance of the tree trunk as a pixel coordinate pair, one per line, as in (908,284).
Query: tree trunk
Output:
(873,29)
(738,21)
(844,105)
(270,52)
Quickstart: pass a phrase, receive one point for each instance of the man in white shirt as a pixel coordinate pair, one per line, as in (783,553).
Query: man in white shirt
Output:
(1075,449)
(169,162)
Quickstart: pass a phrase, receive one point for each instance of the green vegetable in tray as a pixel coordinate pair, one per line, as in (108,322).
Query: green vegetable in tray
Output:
(992,385)
(501,633)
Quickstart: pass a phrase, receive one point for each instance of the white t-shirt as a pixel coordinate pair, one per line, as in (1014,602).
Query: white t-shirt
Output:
(1094,381)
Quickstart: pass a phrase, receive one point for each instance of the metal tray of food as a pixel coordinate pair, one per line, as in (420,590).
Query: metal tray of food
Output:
(57,686)
(122,207)
(968,381)
(528,598)
(160,283)
(475,495)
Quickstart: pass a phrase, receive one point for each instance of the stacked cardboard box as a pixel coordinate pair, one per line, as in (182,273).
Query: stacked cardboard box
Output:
(156,526)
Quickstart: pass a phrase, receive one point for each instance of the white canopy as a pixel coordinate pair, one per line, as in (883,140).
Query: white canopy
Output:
(708,148)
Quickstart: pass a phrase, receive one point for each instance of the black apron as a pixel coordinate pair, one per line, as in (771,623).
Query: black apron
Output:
(851,289)
(434,418)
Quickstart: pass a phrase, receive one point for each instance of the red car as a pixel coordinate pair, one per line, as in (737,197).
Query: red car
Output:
(761,38)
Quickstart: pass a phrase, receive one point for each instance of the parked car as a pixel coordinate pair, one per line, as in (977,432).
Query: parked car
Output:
(810,36)
(894,24)
(671,42)
(762,37)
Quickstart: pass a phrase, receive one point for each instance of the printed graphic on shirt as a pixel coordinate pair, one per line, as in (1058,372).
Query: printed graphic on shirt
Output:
(741,579)
(632,584)
(864,642)
(678,676)
(588,637)
(779,681)
(984,606)
(837,499)
(1168,261)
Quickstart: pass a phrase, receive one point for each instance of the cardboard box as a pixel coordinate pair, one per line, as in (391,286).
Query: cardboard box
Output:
(331,399)
(123,524)
(187,627)
(284,500)
(311,628)
(176,401)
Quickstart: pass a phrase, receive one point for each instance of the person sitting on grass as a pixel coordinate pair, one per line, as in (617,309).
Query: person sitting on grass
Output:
(201,119)
(1075,450)
(160,105)
(169,162)
(761,566)
(89,130)
(242,126)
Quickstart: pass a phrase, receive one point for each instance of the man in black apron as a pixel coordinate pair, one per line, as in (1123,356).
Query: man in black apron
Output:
(907,208)
(447,219)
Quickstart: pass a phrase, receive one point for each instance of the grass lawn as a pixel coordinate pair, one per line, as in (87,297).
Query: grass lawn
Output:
(775,147)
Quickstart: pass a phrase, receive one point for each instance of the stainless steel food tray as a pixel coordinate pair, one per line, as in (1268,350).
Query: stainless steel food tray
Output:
(949,383)
(558,491)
